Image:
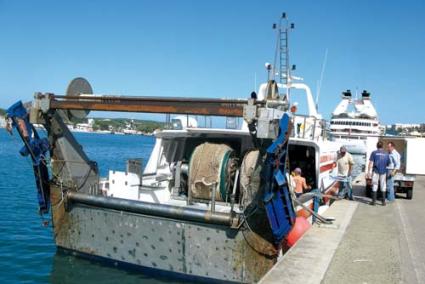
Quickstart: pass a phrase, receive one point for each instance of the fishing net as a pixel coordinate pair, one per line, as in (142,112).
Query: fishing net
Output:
(211,169)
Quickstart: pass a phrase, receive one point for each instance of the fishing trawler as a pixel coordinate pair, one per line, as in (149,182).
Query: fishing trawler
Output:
(352,128)
(210,204)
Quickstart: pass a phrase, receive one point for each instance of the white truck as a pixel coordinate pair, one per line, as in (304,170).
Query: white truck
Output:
(412,156)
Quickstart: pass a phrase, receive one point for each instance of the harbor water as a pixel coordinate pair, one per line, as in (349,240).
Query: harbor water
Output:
(27,250)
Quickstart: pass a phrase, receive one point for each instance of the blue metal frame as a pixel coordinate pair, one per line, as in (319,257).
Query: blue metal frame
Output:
(277,200)
(36,148)
(316,203)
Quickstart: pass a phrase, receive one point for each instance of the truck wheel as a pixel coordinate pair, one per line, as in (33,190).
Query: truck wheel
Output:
(409,193)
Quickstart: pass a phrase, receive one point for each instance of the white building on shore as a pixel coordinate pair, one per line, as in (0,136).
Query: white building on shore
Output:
(2,122)
(406,125)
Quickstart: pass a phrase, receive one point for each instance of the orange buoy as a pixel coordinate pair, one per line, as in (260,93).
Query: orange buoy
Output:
(300,227)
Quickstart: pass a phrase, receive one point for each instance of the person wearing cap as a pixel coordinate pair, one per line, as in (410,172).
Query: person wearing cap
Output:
(300,183)
(345,164)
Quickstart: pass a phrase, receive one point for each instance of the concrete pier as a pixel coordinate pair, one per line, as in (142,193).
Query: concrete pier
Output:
(367,244)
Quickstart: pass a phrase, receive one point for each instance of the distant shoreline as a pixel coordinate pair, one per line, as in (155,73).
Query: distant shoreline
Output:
(112,133)
(89,129)
(124,126)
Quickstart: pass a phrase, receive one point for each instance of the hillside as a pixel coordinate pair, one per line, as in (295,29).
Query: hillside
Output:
(119,124)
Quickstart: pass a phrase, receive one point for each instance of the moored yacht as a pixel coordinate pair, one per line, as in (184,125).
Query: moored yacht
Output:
(353,127)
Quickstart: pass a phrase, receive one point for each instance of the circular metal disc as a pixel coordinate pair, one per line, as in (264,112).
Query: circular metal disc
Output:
(77,87)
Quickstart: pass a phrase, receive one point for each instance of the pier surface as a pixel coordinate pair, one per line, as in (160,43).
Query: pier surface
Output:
(366,244)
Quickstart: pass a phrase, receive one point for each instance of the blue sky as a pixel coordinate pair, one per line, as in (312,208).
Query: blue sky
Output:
(215,48)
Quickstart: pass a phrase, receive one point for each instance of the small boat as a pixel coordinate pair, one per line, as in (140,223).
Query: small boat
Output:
(352,128)
(210,204)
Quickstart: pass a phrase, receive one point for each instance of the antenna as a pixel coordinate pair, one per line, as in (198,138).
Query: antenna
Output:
(269,68)
(319,85)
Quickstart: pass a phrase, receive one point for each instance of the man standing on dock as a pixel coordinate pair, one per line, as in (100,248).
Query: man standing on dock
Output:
(392,170)
(378,163)
(345,164)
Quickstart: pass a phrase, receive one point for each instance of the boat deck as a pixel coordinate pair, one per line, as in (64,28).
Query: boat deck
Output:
(367,244)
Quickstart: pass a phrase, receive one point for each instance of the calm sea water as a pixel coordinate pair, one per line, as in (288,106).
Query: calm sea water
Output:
(359,164)
(27,250)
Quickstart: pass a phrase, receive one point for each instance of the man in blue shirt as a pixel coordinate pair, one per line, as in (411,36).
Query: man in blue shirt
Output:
(378,168)
(392,170)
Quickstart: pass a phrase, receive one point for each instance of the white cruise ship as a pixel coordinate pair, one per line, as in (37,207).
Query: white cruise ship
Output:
(353,120)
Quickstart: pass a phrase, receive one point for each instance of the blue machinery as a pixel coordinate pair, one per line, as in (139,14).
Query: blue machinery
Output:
(36,148)
(277,200)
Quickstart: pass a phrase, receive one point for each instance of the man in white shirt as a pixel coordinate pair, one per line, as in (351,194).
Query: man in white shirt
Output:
(345,164)
(392,170)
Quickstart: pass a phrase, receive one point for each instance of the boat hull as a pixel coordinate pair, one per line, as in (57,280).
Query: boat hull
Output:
(147,271)
(190,249)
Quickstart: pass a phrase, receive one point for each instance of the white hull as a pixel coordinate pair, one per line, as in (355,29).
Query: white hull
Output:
(353,128)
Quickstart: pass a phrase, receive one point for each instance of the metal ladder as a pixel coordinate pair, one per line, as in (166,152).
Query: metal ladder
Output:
(283,54)
(283,49)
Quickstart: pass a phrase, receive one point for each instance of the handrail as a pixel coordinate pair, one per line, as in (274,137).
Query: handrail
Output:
(309,131)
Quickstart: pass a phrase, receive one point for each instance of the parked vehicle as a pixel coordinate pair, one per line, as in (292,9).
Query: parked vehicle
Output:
(412,155)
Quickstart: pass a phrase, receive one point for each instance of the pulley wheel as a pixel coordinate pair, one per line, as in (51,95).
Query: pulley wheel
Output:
(75,88)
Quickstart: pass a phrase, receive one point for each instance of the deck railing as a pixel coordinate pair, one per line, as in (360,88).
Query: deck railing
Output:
(309,127)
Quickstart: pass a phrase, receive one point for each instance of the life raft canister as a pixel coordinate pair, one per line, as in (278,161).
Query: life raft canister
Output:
(300,227)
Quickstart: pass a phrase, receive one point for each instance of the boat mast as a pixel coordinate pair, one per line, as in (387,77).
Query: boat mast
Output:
(283,48)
